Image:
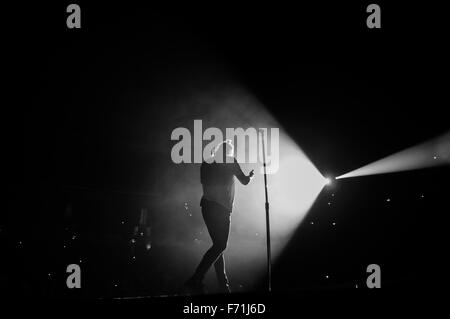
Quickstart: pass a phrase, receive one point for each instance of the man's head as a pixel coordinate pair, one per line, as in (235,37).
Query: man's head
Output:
(223,149)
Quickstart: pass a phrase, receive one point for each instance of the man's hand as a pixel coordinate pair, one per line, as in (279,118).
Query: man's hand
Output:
(251,173)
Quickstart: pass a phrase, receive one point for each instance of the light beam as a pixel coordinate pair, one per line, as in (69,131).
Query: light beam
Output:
(431,153)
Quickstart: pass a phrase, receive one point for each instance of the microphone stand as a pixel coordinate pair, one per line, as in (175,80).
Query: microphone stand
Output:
(269,257)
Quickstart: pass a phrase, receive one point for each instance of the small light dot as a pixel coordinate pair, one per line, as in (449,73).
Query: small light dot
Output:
(356,286)
(329,203)
(256,234)
(312,223)
(388,200)
(327,276)
(123,222)
(334,224)
(422,196)
(332,195)
(133,241)
(73,237)
(434,157)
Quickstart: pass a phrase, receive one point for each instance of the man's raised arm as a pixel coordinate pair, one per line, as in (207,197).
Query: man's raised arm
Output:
(244,179)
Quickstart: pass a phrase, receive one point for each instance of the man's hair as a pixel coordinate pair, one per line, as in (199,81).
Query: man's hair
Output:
(224,148)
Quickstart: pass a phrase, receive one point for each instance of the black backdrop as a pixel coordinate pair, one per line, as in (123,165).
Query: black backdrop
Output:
(364,95)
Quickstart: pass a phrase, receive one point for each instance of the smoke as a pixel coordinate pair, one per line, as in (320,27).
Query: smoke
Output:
(220,101)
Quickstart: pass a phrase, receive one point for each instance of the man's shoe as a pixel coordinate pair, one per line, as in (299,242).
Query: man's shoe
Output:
(225,288)
(194,287)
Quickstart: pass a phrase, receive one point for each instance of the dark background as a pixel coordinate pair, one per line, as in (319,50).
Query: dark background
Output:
(364,94)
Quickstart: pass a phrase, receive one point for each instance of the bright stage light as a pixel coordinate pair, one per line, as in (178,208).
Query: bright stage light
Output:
(327,181)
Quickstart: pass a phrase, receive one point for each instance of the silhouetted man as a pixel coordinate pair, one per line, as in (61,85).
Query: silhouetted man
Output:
(217,178)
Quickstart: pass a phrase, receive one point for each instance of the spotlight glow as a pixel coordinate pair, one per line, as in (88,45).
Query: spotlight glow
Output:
(292,189)
(292,192)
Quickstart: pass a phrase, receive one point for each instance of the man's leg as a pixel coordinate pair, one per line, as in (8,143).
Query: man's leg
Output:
(217,221)
(222,278)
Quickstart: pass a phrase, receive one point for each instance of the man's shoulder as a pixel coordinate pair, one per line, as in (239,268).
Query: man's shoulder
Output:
(207,162)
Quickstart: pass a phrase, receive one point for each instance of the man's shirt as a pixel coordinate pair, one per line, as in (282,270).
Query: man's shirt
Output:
(218,182)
